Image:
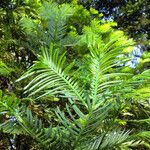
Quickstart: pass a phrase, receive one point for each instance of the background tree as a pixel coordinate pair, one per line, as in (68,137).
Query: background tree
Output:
(132,16)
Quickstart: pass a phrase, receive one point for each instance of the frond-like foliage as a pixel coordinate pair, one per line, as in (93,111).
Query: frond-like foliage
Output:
(50,26)
(86,126)
(91,110)
(91,131)
(50,76)
(20,124)
(56,17)
(87,122)
(106,55)
(108,141)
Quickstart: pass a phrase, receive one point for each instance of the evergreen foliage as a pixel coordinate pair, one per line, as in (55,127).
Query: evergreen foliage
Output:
(80,92)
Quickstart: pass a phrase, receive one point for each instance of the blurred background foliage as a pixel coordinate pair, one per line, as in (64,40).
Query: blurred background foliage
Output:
(26,25)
